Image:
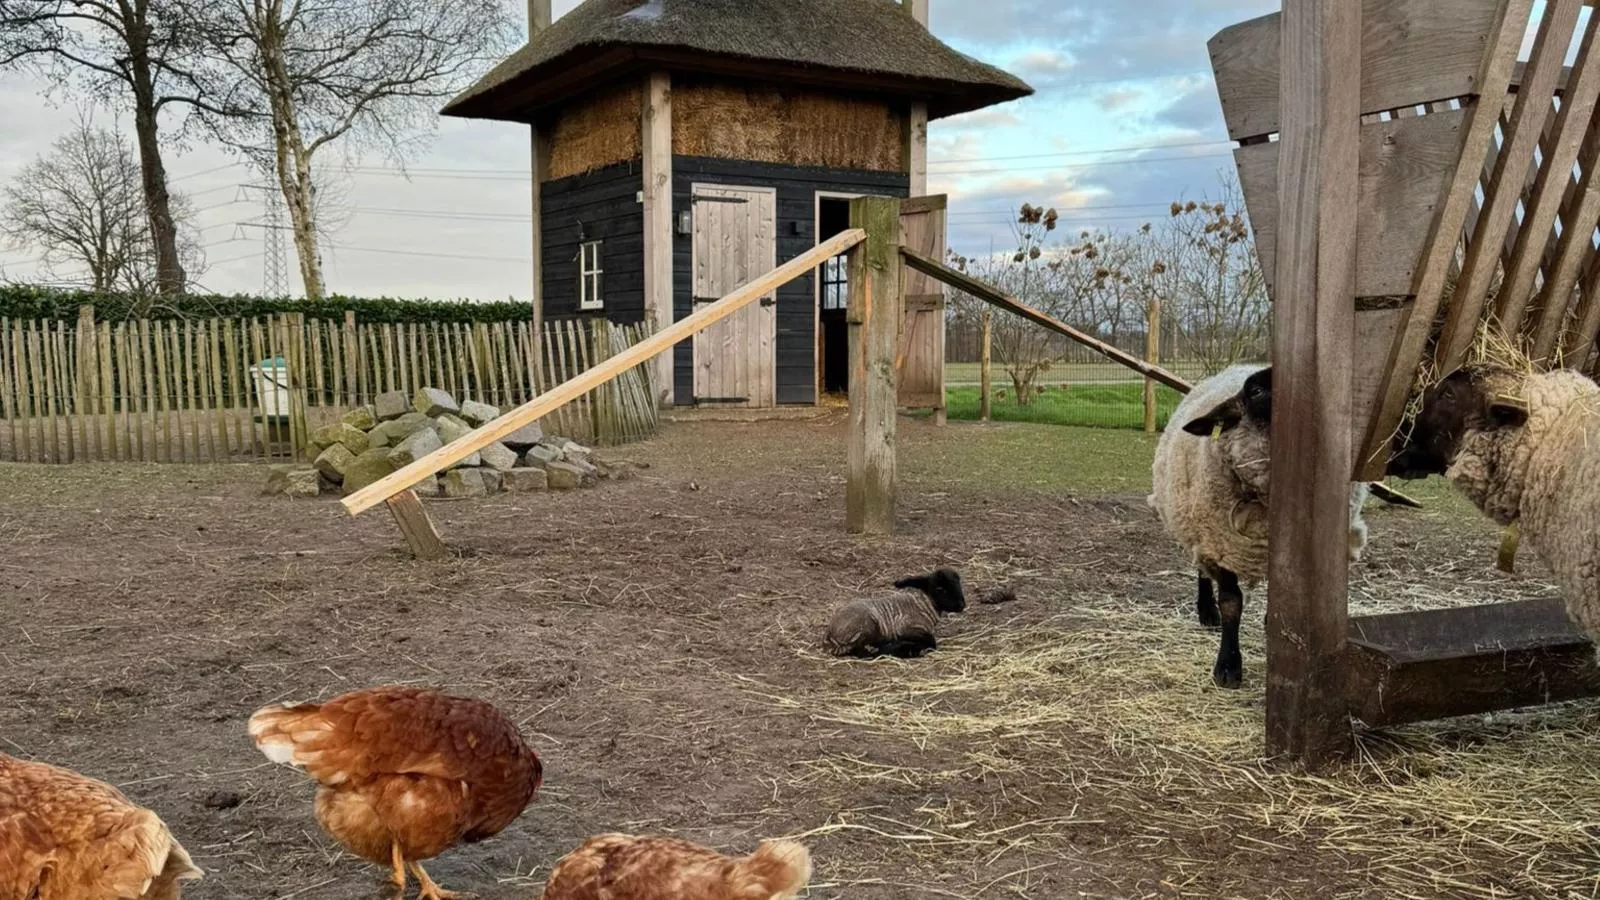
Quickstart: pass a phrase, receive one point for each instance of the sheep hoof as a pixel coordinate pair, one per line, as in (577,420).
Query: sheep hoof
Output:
(1210,617)
(1228,674)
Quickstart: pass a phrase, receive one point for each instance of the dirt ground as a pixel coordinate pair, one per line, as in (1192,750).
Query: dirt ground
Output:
(655,638)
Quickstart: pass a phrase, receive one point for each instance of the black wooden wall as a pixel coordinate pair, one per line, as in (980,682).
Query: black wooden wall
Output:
(605,205)
(796,211)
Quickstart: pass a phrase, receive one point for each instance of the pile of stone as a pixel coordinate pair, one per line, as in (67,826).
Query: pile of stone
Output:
(370,442)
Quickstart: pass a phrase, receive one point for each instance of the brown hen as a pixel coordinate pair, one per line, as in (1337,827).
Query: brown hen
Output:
(64,836)
(405,773)
(625,867)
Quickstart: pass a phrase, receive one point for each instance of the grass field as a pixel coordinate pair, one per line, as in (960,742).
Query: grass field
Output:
(1098,371)
(1089,405)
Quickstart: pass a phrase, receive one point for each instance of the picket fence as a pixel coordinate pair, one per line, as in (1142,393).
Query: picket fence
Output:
(232,389)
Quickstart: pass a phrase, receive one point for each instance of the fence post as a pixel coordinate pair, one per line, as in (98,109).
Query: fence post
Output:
(1152,355)
(352,360)
(87,367)
(875,287)
(985,372)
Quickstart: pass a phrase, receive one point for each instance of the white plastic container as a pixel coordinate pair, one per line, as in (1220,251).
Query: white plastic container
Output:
(272,387)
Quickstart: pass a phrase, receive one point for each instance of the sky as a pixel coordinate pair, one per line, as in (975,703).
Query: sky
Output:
(1124,120)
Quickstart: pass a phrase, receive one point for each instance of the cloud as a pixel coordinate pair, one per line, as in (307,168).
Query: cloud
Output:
(1112,101)
(1042,64)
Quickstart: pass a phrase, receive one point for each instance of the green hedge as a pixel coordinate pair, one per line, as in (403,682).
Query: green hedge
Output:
(27,302)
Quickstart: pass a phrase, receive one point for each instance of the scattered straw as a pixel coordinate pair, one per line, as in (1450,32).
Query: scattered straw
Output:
(1494,806)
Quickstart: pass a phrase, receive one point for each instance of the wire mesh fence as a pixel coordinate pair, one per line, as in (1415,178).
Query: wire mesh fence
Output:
(1065,383)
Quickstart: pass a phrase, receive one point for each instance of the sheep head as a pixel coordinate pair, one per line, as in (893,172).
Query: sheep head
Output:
(1252,403)
(942,586)
(1480,397)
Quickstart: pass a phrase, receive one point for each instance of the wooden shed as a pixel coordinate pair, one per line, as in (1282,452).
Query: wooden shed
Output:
(684,147)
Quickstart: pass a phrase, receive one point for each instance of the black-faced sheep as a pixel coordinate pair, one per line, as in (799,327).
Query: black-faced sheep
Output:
(900,624)
(1525,448)
(1211,485)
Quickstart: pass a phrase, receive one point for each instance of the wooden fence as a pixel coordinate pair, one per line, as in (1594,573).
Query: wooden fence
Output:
(224,390)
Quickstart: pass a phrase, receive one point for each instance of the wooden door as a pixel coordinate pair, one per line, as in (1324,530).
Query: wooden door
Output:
(921,357)
(735,242)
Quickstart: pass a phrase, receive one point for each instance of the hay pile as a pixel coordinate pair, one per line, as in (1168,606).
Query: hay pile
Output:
(1447,808)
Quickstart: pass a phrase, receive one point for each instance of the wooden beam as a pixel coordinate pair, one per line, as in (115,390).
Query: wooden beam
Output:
(917,148)
(418,529)
(994,296)
(1313,324)
(874,327)
(589,379)
(918,9)
(1438,255)
(656,147)
(539,166)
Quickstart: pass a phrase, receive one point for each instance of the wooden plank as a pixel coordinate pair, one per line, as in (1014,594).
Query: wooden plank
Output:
(1572,126)
(86,370)
(238,379)
(564,393)
(996,297)
(352,359)
(917,148)
(190,376)
(1527,120)
(1152,355)
(874,324)
(920,362)
(260,440)
(1418,666)
(24,399)
(299,428)
(391,357)
(1412,51)
(106,404)
(319,381)
(1573,250)
(139,366)
(1312,338)
(1405,166)
(48,439)
(985,364)
(656,120)
(1438,257)
(220,450)
(8,393)
(416,527)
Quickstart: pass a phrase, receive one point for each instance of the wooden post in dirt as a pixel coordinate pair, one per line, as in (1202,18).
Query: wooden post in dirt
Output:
(985,370)
(352,359)
(1307,617)
(656,146)
(539,163)
(1152,355)
(875,288)
(416,527)
(88,366)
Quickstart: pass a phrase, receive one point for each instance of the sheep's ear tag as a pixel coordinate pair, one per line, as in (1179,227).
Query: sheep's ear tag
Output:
(1506,561)
(1216,430)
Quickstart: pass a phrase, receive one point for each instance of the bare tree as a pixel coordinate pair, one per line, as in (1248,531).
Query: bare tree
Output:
(1214,284)
(126,49)
(299,76)
(81,206)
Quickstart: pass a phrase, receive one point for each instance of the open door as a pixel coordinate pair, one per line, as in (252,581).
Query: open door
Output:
(921,361)
(735,242)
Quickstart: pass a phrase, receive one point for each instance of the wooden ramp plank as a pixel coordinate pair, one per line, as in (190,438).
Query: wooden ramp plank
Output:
(1413,667)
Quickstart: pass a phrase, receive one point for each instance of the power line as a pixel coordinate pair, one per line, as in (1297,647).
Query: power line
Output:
(462,256)
(1137,149)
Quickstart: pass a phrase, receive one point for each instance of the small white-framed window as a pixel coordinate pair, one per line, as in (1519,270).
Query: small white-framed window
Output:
(591,276)
(836,282)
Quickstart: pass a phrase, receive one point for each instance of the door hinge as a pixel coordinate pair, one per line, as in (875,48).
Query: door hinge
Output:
(768,301)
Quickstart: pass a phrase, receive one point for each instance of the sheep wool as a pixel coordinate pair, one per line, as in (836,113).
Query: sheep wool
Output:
(1206,489)
(1212,493)
(1543,476)
(870,621)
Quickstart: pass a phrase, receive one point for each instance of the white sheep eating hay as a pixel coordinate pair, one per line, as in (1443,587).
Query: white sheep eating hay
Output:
(1525,449)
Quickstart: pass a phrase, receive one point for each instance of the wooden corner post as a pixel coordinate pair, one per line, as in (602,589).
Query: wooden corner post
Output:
(1313,320)
(874,330)
(656,143)
(539,168)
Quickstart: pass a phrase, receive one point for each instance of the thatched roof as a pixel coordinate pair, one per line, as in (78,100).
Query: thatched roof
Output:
(859,45)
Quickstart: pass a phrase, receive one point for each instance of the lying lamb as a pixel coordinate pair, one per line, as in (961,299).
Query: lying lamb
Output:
(900,624)
(1525,448)
(1211,495)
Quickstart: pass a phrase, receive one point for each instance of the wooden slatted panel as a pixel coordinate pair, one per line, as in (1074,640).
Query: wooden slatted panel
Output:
(1405,164)
(1511,173)
(921,361)
(1412,52)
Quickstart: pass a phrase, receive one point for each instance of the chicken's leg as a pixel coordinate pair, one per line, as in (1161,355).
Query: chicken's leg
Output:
(399,869)
(431,891)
